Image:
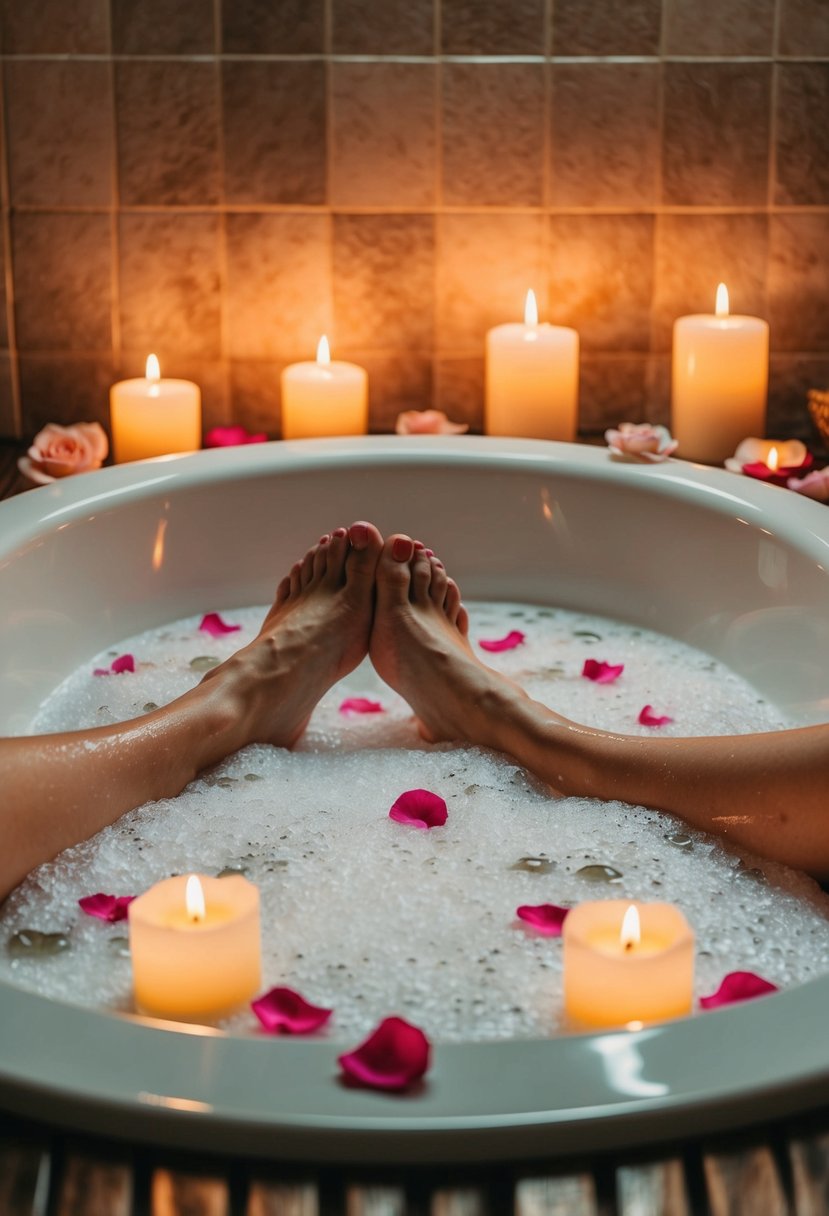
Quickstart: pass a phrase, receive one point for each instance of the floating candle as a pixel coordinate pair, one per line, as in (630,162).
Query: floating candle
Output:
(324,398)
(772,460)
(626,962)
(154,417)
(195,947)
(532,378)
(720,381)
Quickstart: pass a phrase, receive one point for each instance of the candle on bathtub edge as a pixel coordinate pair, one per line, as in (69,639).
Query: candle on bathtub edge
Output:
(154,417)
(324,398)
(626,962)
(532,378)
(719,381)
(195,947)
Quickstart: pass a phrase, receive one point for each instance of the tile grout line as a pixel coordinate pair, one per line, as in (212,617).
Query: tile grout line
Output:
(437,226)
(228,404)
(114,209)
(8,270)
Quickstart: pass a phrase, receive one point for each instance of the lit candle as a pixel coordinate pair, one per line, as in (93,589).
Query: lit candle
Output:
(772,460)
(195,947)
(532,378)
(720,381)
(154,417)
(626,963)
(324,398)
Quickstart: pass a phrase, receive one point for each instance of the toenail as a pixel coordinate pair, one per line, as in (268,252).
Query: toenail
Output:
(324,539)
(359,536)
(430,553)
(339,532)
(418,544)
(438,564)
(402,549)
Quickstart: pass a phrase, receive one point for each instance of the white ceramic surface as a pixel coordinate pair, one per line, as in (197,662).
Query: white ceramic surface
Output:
(727,564)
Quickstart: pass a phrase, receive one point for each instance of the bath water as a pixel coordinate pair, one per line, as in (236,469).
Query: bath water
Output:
(370,917)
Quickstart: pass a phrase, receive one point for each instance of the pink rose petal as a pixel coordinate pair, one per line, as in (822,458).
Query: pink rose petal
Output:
(393,1056)
(232,436)
(544,918)
(213,624)
(124,662)
(283,1011)
(648,718)
(419,809)
(738,986)
(600,672)
(360,705)
(106,907)
(495,645)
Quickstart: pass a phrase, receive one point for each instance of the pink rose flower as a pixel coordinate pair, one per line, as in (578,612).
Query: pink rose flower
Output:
(640,441)
(231,437)
(427,422)
(60,451)
(813,485)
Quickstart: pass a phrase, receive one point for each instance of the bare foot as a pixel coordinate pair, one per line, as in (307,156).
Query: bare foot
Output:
(419,646)
(316,632)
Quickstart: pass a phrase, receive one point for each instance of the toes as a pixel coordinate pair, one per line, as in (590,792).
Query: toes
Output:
(321,559)
(421,577)
(394,571)
(463,621)
(439,584)
(282,591)
(307,568)
(296,579)
(337,552)
(365,545)
(452,603)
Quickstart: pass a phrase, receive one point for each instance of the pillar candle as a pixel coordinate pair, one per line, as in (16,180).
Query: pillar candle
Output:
(195,959)
(720,381)
(532,379)
(622,966)
(154,417)
(324,398)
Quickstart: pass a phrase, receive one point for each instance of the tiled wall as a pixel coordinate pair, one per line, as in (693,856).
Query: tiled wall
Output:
(223,180)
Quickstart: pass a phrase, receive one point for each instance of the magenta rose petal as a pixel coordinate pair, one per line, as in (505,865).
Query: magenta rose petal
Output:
(213,624)
(648,718)
(394,1056)
(496,645)
(232,436)
(419,809)
(360,705)
(600,672)
(544,918)
(738,986)
(124,662)
(283,1011)
(111,908)
(101,671)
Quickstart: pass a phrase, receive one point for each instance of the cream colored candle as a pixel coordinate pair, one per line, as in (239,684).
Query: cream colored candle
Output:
(324,398)
(720,381)
(195,946)
(623,966)
(532,379)
(154,417)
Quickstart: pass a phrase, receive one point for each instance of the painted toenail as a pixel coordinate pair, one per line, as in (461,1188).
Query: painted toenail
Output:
(418,544)
(359,536)
(439,564)
(402,549)
(339,532)
(324,539)
(430,553)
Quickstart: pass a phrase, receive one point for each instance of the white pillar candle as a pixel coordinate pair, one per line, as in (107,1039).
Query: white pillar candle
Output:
(623,966)
(532,379)
(324,398)
(720,381)
(195,946)
(154,417)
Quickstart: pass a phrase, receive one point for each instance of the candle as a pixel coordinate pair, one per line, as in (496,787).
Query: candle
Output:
(195,947)
(532,378)
(720,381)
(324,398)
(772,460)
(626,963)
(154,417)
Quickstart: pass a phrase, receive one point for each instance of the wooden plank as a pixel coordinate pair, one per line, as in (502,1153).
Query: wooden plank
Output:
(280,1199)
(810,1174)
(573,1195)
(175,1194)
(656,1189)
(375,1201)
(94,1188)
(24,1179)
(744,1183)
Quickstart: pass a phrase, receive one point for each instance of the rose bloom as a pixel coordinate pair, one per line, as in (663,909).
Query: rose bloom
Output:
(641,439)
(60,451)
(427,422)
(813,485)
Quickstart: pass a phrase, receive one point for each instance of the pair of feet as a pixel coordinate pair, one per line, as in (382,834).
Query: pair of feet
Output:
(356,594)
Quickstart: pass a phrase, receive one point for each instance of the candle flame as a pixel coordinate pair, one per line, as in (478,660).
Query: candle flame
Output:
(323,351)
(153,371)
(194,899)
(721,306)
(773,459)
(530,309)
(631,932)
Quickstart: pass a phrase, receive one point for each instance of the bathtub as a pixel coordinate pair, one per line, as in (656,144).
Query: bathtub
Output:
(734,567)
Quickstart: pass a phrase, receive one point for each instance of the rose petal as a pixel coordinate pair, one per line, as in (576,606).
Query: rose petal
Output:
(106,907)
(232,436)
(419,809)
(738,986)
(495,645)
(213,624)
(360,705)
(544,918)
(101,671)
(648,718)
(393,1056)
(427,422)
(600,672)
(283,1011)
(813,485)
(124,662)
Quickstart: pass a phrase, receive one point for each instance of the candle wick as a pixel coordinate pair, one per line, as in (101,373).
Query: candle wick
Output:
(628,947)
